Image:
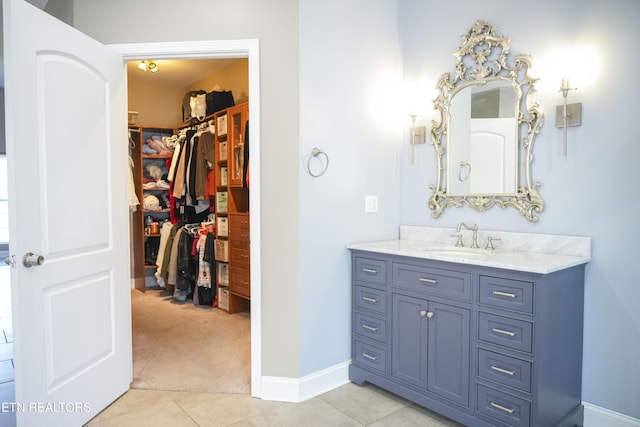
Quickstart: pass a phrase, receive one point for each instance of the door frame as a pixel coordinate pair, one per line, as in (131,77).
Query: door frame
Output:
(248,48)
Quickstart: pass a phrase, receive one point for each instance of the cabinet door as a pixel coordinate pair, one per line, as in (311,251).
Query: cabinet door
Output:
(237,117)
(409,342)
(448,352)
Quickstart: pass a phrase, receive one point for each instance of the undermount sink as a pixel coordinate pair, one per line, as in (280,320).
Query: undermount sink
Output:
(459,252)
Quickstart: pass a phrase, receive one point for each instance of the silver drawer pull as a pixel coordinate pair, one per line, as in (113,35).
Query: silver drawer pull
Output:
(502,408)
(370,270)
(370,357)
(371,300)
(423,279)
(369,328)
(503,294)
(503,371)
(503,332)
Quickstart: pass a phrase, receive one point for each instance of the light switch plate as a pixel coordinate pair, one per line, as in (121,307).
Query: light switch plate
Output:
(371,204)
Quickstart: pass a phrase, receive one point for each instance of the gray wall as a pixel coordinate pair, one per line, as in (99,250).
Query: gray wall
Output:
(591,192)
(275,23)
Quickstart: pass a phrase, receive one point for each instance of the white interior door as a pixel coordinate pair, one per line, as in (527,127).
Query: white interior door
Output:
(65,100)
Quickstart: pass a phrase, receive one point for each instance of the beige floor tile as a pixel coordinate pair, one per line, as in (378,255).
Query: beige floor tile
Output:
(217,410)
(312,413)
(414,416)
(140,408)
(364,404)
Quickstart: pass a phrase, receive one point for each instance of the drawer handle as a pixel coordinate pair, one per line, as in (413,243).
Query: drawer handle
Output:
(423,279)
(370,357)
(369,299)
(503,371)
(503,294)
(502,408)
(370,270)
(503,332)
(369,328)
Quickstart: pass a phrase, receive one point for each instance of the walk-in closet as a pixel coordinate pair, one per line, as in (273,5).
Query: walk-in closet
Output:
(190,235)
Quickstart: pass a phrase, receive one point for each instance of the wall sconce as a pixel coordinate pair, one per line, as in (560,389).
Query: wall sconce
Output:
(567,114)
(418,136)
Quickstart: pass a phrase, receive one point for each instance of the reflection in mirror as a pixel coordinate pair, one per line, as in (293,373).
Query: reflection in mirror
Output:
(483,142)
(487,122)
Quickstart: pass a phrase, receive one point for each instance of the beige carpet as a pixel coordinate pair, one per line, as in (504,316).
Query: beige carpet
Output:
(182,347)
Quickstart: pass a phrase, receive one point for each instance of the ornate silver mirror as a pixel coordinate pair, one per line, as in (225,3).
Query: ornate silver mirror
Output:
(487,123)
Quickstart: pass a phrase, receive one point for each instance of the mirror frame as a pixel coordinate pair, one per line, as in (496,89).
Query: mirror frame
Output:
(483,56)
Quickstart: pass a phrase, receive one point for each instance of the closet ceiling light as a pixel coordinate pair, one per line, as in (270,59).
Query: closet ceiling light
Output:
(153,67)
(142,66)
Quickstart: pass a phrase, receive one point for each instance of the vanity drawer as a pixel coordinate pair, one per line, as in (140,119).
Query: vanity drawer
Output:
(512,333)
(371,327)
(506,294)
(371,270)
(371,299)
(504,407)
(505,370)
(370,356)
(433,281)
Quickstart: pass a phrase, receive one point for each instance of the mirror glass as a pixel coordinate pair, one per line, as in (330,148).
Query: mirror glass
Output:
(486,127)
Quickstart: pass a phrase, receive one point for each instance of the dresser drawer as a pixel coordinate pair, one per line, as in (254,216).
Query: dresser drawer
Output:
(371,327)
(512,333)
(239,281)
(370,356)
(239,227)
(505,370)
(371,299)
(433,281)
(370,270)
(506,294)
(239,254)
(504,407)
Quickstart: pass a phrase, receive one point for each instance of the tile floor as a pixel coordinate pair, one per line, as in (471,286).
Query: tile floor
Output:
(348,405)
(6,347)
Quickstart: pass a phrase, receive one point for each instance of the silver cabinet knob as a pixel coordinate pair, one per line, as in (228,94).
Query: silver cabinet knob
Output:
(427,314)
(30,259)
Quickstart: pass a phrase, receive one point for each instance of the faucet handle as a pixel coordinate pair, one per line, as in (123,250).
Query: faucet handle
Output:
(490,241)
(459,242)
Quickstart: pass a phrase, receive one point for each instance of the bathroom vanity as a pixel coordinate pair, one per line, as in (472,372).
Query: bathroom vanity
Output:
(484,337)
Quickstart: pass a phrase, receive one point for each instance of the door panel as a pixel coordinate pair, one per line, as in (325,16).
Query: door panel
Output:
(409,345)
(65,106)
(449,346)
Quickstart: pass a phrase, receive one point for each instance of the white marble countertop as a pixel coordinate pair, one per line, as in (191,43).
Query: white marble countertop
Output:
(547,253)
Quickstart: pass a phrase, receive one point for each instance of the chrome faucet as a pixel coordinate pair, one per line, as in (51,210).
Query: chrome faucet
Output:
(474,244)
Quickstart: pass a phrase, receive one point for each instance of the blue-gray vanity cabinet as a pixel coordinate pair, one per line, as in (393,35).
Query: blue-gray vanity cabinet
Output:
(482,346)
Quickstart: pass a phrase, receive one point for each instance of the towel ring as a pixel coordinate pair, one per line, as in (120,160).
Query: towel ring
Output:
(316,153)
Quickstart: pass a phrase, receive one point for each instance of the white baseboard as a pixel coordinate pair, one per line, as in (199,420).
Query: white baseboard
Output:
(296,390)
(596,416)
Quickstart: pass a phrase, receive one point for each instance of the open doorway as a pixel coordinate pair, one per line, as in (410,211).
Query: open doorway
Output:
(182,345)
